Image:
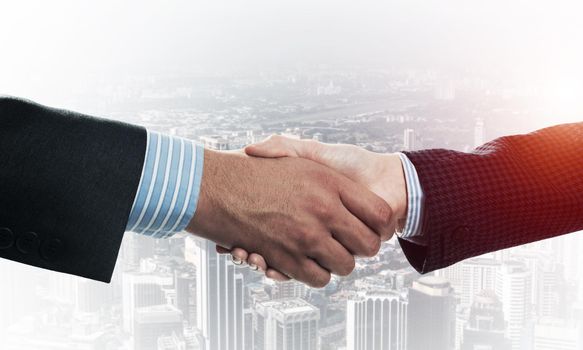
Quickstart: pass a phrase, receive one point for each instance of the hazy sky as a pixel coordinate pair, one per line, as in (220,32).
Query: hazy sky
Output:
(43,41)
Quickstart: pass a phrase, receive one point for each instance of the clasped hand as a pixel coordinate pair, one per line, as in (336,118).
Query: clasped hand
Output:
(298,208)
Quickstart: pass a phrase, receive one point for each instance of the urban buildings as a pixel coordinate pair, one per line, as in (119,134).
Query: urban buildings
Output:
(178,294)
(513,287)
(377,320)
(485,328)
(286,324)
(431,314)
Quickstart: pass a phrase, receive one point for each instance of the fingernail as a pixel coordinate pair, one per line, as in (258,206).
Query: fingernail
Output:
(236,260)
(253,267)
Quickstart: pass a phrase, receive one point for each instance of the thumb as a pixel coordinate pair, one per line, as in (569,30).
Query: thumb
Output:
(275,146)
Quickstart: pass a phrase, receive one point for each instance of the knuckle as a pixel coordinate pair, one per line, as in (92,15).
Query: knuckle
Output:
(383,213)
(373,246)
(321,280)
(305,239)
(314,276)
(347,267)
(324,210)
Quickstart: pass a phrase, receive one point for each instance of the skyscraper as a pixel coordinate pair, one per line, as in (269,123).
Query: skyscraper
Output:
(377,321)
(286,289)
(431,315)
(286,324)
(454,274)
(153,322)
(141,290)
(553,333)
(486,327)
(409,140)
(478,274)
(219,296)
(91,296)
(513,288)
(185,284)
(549,286)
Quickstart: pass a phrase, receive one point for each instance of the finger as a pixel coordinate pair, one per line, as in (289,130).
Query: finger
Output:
(222,250)
(334,257)
(239,255)
(371,209)
(257,260)
(355,236)
(276,275)
(312,274)
(274,146)
(299,267)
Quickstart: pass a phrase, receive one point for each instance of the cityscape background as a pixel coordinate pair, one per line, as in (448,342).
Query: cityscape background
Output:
(386,76)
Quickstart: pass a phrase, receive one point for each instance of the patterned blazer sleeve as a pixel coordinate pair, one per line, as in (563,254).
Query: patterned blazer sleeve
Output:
(511,191)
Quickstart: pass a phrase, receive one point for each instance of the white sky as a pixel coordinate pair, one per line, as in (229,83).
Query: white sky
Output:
(46,41)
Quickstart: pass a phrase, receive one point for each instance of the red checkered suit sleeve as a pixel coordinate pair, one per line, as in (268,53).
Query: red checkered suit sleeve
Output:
(511,191)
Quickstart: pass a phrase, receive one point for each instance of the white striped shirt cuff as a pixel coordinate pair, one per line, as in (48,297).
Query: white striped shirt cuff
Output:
(412,226)
(168,191)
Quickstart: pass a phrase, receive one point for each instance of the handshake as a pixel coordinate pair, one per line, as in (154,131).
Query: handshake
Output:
(298,208)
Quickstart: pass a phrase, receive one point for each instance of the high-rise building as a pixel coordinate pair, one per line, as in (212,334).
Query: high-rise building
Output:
(549,286)
(377,321)
(135,248)
(91,296)
(409,143)
(454,274)
(141,290)
(219,296)
(18,293)
(185,284)
(478,274)
(431,315)
(532,260)
(215,142)
(286,324)
(286,289)
(486,327)
(568,252)
(513,288)
(557,334)
(153,322)
(172,342)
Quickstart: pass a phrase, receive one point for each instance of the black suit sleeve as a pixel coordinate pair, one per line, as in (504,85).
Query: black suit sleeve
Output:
(511,191)
(67,184)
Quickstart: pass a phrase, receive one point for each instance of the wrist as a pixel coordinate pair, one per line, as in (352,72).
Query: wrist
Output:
(203,223)
(391,184)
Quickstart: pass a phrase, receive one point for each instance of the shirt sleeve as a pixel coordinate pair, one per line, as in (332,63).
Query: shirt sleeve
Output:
(168,190)
(412,227)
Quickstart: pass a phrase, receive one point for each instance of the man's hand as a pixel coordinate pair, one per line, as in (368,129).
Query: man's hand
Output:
(380,173)
(304,219)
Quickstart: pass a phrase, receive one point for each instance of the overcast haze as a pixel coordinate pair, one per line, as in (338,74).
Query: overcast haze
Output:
(383,75)
(151,34)
(78,42)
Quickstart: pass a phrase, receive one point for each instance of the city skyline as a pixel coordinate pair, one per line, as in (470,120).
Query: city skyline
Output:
(179,293)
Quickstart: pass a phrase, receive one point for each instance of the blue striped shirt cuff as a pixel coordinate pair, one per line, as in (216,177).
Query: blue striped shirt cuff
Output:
(412,226)
(168,191)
